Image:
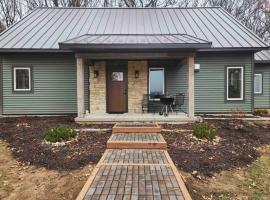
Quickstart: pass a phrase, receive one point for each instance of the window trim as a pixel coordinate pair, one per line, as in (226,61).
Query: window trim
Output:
(159,68)
(242,83)
(14,79)
(261,92)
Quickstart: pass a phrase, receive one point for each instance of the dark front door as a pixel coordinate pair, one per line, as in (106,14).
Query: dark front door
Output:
(117,87)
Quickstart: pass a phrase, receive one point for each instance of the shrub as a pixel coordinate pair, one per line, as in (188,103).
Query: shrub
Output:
(59,134)
(204,131)
(261,112)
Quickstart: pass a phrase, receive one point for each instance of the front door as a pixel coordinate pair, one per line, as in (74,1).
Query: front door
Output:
(116,87)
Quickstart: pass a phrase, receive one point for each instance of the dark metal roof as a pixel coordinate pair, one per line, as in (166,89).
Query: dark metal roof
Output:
(135,41)
(44,28)
(262,56)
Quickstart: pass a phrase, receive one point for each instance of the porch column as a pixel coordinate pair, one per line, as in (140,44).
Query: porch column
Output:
(190,64)
(80,87)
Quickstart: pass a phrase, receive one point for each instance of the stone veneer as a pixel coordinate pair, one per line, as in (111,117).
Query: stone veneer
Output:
(97,88)
(137,87)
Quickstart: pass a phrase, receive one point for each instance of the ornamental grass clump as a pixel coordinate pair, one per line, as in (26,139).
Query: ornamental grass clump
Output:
(204,131)
(61,133)
(261,112)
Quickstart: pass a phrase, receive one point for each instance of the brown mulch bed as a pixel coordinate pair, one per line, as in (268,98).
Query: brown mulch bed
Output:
(236,148)
(28,147)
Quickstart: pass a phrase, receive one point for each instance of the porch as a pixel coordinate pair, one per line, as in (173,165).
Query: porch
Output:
(119,82)
(134,117)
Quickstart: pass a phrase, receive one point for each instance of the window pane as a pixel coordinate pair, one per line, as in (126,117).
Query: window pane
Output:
(234,83)
(117,76)
(22,79)
(257,83)
(156,82)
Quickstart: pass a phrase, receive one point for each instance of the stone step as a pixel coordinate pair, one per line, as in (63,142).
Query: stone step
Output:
(136,141)
(136,128)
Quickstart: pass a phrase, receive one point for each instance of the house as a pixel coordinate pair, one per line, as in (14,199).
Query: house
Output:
(262,80)
(106,60)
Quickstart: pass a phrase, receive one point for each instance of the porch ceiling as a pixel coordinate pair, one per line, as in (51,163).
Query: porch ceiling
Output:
(135,41)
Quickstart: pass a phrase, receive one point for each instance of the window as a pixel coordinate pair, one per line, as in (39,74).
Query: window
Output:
(235,83)
(156,82)
(117,76)
(258,83)
(22,78)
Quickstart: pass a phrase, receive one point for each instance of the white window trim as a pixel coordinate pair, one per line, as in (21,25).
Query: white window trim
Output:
(261,83)
(15,82)
(242,83)
(156,68)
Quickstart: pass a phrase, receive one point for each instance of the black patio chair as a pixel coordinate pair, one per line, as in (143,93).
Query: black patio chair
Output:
(179,100)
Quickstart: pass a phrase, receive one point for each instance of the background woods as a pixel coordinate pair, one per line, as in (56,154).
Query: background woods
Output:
(255,14)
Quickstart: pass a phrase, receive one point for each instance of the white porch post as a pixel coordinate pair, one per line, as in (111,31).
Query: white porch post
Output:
(80,87)
(190,65)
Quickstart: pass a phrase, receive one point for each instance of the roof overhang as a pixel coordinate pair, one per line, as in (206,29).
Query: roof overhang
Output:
(134,42)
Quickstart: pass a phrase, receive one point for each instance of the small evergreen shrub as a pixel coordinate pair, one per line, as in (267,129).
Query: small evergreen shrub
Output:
(204,131)
(60,133)
(261,112)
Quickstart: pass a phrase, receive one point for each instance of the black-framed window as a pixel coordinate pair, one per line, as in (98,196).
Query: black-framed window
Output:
(22,79)
(156,82)
(258,83)
(235,83)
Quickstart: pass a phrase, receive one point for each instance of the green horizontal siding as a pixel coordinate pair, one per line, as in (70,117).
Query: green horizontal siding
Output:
(210,82)
(1,81)
(54,85)
(263,100)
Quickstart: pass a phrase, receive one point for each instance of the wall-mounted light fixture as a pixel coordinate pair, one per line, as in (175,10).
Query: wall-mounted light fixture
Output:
(137,73)
(197,67)
(96,73)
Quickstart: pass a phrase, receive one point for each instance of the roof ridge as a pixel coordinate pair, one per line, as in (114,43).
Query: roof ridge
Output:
(201,7)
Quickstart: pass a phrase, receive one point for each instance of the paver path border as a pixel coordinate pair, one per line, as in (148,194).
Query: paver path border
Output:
(103,162)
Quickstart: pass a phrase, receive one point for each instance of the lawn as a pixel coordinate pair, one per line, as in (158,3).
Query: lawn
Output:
(234,166)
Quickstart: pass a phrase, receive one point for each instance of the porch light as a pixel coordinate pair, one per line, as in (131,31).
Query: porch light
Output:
(137,73)
(197,67)
(96,73)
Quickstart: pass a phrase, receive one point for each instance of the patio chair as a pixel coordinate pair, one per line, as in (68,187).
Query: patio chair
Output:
(179,100)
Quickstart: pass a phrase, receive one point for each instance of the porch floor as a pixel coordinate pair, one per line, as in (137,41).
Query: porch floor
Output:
(135,117)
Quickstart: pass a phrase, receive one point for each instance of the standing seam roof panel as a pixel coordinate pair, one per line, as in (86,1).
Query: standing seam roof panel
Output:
(17,33)
(35,36)
(59,27)
(11,31)
(179,28)
(228,36)
(245,30)
(195,26)
(44,28)
(30,37)
(77,27)
(104,22)
(215,32)
(65,31)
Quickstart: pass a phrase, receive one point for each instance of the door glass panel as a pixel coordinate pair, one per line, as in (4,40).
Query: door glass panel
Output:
(117,76)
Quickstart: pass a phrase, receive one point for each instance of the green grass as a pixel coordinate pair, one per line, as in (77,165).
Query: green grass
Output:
(257,178)
(60,133)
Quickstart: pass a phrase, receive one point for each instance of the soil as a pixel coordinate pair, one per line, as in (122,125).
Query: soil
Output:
(234,148)
(30,169)
(24,138)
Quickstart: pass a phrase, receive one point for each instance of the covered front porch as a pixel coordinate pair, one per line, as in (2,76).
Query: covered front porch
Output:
(123,69)
(118,83)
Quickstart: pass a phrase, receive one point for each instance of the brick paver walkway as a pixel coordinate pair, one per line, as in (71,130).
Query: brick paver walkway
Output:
(135,173)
